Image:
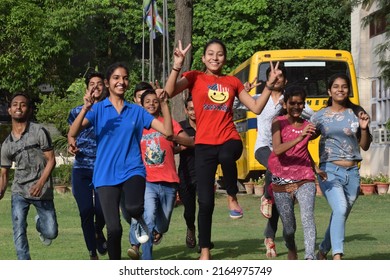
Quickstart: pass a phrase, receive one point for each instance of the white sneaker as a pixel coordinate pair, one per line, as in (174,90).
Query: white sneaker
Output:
(141,231)
(45,241)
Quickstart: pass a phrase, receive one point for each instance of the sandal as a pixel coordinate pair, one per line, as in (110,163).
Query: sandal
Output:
(321,256)
(133,252)
(271,248)
(157,237)
(292,254)
(190,238)
(266,207)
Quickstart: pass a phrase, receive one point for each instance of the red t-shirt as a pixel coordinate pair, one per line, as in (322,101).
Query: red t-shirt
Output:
(158,156)
(213,99)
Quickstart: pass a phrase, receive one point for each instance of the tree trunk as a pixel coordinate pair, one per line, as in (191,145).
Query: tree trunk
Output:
(183,32)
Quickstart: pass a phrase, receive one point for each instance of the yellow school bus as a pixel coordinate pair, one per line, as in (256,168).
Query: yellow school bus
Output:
(310,68)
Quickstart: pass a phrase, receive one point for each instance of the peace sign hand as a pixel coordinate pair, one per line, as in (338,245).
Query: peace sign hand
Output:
(273,75)
(248,86)
(89,97)
(179,55)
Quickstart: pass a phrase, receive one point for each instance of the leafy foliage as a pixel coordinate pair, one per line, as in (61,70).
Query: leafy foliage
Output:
(62,174)
(53,41)
(382,178)
(367,179)
(240,25)
(55,109)
(249,26)
(308,24)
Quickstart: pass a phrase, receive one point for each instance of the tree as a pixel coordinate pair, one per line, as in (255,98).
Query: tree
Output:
(240,25)
(54,42)
(308,24)
(183,32)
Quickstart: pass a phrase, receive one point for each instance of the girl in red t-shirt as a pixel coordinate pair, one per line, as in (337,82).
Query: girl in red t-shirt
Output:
(217,140)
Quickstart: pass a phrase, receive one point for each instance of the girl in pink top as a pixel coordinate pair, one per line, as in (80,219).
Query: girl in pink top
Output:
(293,171)
(217,140)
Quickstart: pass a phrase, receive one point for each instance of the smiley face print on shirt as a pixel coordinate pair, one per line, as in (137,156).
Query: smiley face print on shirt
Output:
(218,94)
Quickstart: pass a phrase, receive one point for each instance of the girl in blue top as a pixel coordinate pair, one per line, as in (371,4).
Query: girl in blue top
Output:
(344,130)
(119,167)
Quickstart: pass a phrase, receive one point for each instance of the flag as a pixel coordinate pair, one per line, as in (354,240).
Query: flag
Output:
(152,18)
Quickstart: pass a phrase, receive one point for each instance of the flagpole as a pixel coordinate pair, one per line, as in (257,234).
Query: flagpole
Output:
(164,46)
(143,44)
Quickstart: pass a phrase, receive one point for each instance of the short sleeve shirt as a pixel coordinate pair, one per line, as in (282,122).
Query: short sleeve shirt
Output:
(158,155)
(118,137)
(338,135)
(213,99)
(86,143)
(27,153)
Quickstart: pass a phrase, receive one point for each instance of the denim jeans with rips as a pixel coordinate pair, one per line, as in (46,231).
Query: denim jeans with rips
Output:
(46,224)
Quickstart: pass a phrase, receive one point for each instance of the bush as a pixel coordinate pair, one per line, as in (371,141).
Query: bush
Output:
(55,109)
(62,174)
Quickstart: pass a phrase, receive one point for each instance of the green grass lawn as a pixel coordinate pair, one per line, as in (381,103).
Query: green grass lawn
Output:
(367,235)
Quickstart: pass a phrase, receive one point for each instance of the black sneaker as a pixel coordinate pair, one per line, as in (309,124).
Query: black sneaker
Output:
(101,243)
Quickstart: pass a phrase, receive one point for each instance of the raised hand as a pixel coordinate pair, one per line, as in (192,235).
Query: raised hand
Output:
(89,97)
(248,86)
(162,95)
(273,74)
(179,55)
(155,85)
(364,119)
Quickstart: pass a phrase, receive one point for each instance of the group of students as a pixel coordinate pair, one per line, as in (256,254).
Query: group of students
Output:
(282,147)
(129,166)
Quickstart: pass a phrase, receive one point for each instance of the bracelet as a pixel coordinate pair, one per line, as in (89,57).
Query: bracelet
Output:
(176,69)
(269,87)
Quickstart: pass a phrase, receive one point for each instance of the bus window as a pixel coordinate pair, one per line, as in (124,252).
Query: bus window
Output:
(311,75)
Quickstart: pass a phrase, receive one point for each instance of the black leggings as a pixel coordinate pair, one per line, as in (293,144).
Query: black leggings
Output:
(207,158)
(133,191)
(262,155)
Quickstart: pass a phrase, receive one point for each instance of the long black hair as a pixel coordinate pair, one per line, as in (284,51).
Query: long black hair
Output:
(348,103)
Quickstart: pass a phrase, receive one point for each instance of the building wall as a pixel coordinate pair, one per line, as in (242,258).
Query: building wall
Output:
(376,159)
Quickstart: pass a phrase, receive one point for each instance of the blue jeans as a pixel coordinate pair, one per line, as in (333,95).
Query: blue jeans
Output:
(159,202)
(341,189)
(46,224)
(91,214)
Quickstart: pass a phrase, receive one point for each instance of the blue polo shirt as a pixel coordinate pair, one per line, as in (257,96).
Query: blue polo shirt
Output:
(118,138)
